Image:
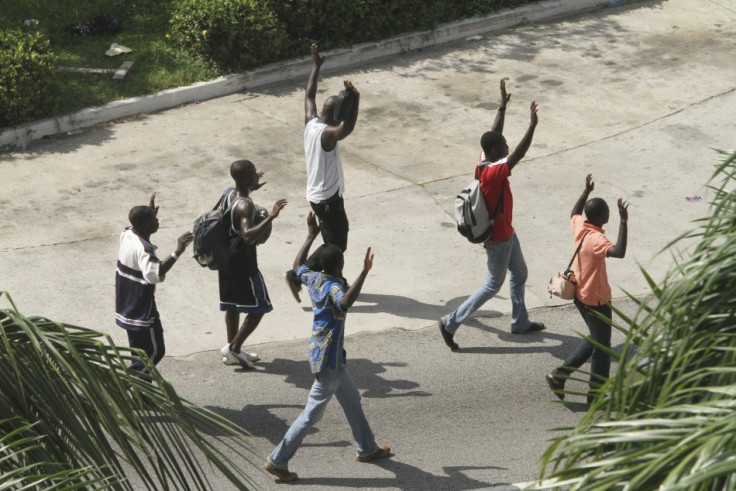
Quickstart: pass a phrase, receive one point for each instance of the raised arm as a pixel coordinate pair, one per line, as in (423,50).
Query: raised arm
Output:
(619,250)
(352,294)
(313,232)
(244,212)
(580,203)
(333,134)
(310,102)
(500,114)
(525,142)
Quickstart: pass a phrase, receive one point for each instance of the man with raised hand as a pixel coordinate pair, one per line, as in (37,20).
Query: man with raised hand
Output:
(503,249)
(325,179)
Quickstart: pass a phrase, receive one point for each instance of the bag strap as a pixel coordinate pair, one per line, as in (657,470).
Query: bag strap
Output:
(577,250)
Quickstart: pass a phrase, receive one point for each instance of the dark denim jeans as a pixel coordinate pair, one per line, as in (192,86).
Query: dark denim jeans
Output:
(600,332)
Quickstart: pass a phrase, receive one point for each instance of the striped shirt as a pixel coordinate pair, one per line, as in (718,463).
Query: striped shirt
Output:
(135,279)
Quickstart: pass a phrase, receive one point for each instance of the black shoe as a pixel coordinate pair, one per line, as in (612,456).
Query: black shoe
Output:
(556,385)
(448,337)
(294,284)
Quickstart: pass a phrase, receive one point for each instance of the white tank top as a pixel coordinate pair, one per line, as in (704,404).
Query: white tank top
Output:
(324,169)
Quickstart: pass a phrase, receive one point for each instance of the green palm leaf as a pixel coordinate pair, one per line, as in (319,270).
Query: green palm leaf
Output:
(72,415)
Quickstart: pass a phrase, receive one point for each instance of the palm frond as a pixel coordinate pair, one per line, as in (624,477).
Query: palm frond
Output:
(73,413)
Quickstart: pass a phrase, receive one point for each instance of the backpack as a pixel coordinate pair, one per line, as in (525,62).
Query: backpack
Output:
(212,243)
(474,222)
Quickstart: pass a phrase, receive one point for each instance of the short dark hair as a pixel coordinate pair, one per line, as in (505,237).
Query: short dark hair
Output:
(491,140)
(139,215)
(596,209)
(241,169)
(331,257)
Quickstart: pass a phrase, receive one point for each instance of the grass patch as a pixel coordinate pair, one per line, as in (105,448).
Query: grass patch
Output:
(159,62)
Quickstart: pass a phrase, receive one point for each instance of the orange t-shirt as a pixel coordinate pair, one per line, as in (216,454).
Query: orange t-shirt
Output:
(590,263)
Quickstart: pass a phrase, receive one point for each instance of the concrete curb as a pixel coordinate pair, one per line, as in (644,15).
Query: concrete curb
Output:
(546,10)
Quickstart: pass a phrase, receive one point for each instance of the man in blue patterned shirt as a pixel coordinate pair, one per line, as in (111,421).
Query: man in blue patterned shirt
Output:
(330,301)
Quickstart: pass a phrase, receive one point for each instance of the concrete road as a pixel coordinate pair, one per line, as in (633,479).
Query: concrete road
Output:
(638,95)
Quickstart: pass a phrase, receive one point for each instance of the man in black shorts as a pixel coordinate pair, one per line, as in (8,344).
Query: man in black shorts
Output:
(242,288)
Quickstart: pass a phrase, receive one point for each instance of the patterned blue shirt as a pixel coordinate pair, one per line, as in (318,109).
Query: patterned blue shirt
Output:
(328,331)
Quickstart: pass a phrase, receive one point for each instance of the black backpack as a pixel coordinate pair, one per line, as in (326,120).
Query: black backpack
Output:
(212,243)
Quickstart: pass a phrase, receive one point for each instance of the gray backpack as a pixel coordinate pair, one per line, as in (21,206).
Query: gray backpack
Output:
(474,222)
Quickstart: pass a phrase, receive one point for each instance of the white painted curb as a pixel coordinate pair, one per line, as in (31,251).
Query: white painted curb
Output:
(294,69)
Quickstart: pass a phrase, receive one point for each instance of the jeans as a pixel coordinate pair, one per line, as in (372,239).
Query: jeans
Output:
(326,383)
(502,256)
(600,332)
(150,340)
(334,227)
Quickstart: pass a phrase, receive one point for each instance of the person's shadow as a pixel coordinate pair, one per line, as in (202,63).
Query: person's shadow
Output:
(409,307)
(406,477)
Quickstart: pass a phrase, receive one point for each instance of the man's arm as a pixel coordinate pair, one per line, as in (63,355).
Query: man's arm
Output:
(525,142)
(500,114)
(313,232)
(619,250)
(244,211)
(352,294)
(310,103)
(181,245)
(333,134)
(580,203)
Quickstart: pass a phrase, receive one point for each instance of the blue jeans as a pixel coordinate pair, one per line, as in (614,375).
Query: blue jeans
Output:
(326,383)
(502,257)
(600,332)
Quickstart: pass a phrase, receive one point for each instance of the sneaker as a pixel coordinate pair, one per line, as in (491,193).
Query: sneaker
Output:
(294,284)
(244,361)
(228,355)
(449,341)
(282,474)
(383,451)
(251,356)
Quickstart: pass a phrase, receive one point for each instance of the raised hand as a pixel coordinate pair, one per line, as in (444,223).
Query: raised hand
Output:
(152,203)
(312,225)
(505,97)
(589,184)
(317,58)
(623,209)
(277,207)
(534,117)
(368,261)
(349,85)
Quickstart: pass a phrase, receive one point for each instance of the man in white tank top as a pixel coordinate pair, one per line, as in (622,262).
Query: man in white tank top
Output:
(325,179)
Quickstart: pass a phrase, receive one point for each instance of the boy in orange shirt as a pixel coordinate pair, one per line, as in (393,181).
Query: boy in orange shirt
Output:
(593,293)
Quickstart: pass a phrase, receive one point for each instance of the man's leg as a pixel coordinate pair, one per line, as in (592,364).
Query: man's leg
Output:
(151,341)
(249,325)
(348,396)
(498,256)
(517,281)
(582,352)
(600,332)
(334,228)
(320,394)
(232,319)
